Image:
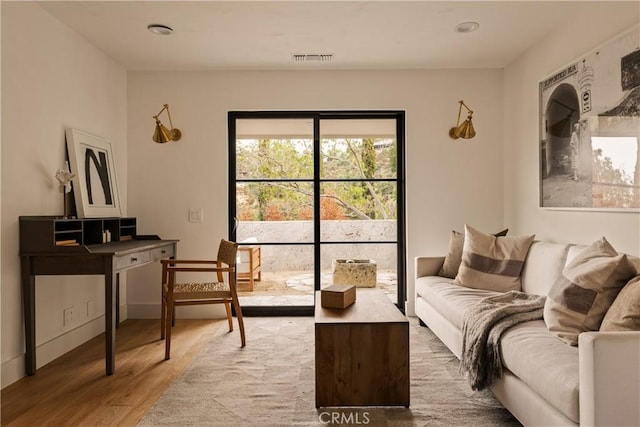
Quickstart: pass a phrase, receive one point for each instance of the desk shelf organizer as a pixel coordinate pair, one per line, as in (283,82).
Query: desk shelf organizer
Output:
(46,233)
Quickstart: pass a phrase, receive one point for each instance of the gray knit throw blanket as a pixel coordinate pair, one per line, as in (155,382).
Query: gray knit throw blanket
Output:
(482,326)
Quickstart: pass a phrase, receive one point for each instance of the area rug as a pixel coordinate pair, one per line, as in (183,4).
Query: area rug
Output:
(270,382)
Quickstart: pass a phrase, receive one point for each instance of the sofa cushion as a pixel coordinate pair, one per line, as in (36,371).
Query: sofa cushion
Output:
(624,313)
(454,255)
(492,263)
(545,364)
(591,281)
(543,266)
(529,350)
(449,299)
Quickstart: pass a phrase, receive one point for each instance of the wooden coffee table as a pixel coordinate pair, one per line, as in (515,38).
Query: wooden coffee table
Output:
(362,353)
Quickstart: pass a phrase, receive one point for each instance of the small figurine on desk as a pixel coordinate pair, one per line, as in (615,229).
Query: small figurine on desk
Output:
(64,177)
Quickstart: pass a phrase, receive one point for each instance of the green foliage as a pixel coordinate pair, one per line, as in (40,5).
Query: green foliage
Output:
(273,160)
(368,158)
(613,185)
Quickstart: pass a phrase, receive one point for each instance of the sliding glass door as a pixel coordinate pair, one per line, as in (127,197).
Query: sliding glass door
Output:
(316,198)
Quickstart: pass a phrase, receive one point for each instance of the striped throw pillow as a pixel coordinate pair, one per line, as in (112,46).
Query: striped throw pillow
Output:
(580,299)
(453,259)
(492,263)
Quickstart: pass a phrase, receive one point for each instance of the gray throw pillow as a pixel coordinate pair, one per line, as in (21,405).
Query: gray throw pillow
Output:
(454,256)
(624,313)
(591,281)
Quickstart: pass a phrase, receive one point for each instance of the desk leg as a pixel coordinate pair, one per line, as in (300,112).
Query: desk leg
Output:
(117,300)
(29,309)
(110,283)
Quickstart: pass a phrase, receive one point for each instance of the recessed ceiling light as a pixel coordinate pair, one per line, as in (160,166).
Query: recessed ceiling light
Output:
(467,27)
(160,29)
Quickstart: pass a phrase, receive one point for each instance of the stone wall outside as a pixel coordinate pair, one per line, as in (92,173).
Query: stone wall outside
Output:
(300,258)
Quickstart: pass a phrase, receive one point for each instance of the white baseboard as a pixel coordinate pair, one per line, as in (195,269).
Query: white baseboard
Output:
(14,369)
(410,308)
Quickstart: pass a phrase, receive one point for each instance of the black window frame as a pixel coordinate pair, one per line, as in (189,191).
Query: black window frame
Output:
(317,117)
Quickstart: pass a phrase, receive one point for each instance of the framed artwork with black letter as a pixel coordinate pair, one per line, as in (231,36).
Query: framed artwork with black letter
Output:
(95,188)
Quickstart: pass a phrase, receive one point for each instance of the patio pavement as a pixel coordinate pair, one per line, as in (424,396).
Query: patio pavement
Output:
(296,288)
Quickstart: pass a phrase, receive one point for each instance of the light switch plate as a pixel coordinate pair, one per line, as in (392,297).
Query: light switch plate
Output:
(196,215)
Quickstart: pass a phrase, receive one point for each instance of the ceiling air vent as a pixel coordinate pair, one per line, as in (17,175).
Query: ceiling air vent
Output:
(312,57)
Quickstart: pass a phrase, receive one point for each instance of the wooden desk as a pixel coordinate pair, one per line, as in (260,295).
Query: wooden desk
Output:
(107,259)
(362,353)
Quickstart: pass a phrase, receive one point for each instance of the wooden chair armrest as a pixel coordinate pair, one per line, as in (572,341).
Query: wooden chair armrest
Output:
(188,261)
(210,269)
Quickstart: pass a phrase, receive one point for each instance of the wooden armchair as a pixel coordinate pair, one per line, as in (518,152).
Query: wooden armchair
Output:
(195,293)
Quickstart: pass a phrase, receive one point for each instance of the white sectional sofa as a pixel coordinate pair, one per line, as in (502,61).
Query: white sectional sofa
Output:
(546,381)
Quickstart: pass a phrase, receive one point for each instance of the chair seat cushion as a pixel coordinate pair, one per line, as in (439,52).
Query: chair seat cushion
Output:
(200,290)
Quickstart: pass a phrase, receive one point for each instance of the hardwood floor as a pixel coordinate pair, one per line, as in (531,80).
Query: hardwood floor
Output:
(73,390)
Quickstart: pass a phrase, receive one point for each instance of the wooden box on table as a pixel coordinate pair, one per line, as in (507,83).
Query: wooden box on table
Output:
(338,296)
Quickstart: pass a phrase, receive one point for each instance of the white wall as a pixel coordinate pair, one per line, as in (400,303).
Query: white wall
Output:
(448,182)
(51,79)
(571,41)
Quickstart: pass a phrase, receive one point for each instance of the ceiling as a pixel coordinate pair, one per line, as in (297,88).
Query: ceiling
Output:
(245,35)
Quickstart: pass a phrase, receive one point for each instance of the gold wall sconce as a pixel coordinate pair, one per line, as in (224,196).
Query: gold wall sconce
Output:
(162,134)
(464,130)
